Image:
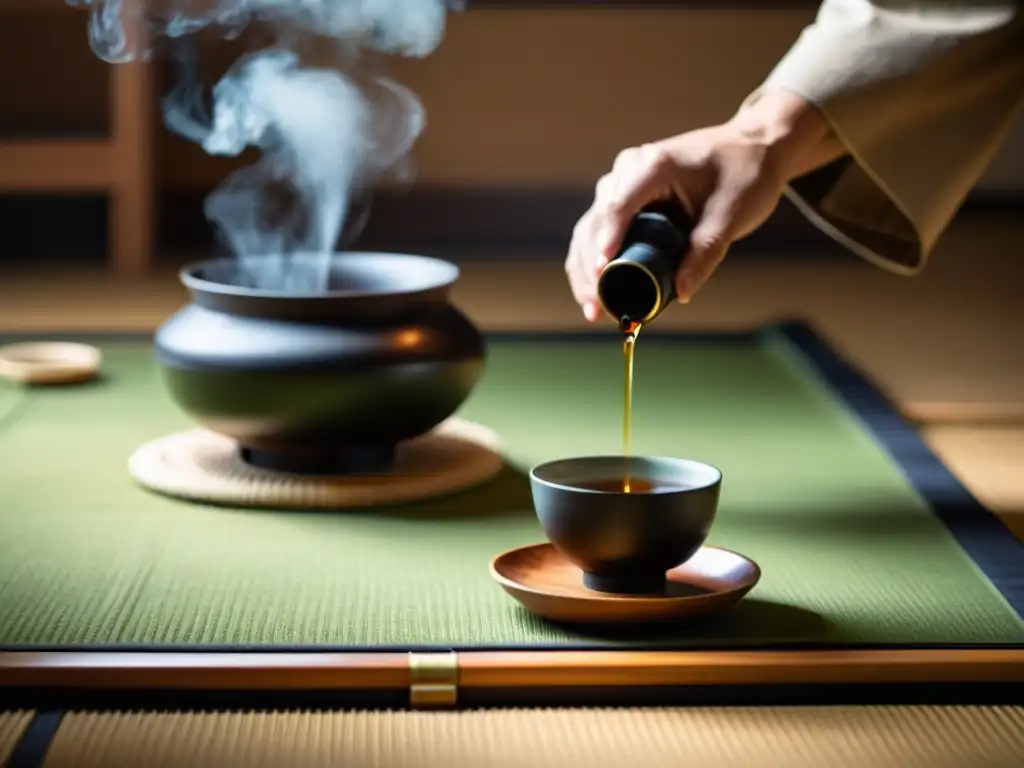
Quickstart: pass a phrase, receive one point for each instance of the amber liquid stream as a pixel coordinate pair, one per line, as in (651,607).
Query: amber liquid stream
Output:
(631,330)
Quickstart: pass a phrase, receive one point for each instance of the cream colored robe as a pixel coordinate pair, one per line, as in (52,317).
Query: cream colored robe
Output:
(921,94)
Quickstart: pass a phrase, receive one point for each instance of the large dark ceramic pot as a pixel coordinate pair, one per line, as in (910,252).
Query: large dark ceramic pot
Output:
(323,381)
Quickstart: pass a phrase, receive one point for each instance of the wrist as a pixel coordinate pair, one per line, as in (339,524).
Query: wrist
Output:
(795,135)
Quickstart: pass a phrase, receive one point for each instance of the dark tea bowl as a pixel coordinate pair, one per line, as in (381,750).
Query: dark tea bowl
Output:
(625,542)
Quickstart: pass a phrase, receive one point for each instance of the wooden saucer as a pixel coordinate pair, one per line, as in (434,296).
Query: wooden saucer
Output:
(49,362)
(546,583)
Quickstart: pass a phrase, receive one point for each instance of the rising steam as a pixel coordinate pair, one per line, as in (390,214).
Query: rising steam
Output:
(325,133)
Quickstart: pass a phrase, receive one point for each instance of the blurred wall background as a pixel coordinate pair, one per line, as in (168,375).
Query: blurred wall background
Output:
(520,101)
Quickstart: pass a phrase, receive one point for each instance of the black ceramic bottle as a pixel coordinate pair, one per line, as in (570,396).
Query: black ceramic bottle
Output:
(639,282)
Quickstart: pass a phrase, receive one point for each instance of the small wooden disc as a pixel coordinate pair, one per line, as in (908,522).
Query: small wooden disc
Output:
(49,362)
(199,465)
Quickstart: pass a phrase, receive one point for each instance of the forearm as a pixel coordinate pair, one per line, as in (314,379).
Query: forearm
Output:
(795,133)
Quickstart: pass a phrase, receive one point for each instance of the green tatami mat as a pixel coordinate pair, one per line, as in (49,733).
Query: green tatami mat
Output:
(12,400)
(850,553)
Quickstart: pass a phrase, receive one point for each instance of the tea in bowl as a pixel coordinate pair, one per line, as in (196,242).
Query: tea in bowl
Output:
(626,522)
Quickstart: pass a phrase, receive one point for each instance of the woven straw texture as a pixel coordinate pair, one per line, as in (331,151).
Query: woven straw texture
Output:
(203,466)
(12,725)
(883,737)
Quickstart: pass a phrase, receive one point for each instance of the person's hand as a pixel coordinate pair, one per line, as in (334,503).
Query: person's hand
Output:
(729,178)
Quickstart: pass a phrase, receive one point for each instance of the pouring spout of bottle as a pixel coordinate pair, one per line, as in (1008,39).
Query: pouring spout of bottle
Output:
(636,285)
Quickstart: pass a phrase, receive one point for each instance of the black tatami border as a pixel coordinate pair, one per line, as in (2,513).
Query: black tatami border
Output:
(979,531)
(31,748)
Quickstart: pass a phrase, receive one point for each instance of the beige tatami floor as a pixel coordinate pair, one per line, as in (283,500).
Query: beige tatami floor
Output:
(946,346)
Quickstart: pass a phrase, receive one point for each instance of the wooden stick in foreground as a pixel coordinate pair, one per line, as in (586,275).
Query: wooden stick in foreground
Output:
(503,669)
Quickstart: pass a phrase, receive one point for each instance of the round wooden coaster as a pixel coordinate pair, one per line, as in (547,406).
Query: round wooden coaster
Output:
(203,466)
(49,362)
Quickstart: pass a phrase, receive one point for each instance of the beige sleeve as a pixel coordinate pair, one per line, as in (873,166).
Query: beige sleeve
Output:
(921,94)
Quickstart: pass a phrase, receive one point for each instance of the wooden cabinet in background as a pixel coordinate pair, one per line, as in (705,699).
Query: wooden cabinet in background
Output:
(61,160)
